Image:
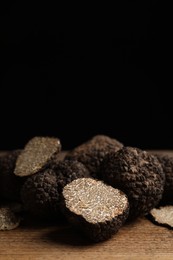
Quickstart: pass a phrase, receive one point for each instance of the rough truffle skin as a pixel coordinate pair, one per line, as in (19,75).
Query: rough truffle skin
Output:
(167,165)
(67,171)
(97,209)
(10,184)
(41,191)
(40,194)
(139,175)
(92,152)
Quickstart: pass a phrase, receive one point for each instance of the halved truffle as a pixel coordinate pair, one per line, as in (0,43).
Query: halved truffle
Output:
(167,165)
(97,209)
(92,152)
(138,174)
(163,216)
(38,152)
(41,192)
(10,184)
(8,219)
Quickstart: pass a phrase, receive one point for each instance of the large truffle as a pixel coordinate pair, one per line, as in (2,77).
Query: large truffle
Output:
(10,184)
(167,165)
(97,209)
(40,194)
(41,191)
(138,174)
(37,154)
(92,152)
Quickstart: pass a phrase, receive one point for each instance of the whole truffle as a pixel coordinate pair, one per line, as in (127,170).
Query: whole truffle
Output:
(97,209)
(10,184)
(69,170)
(138,174)
(92,152)
(167,165)
(41,192)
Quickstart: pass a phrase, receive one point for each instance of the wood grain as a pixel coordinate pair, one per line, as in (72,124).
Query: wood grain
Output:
(138,240)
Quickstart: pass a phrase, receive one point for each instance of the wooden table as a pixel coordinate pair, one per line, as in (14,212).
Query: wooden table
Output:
(138,240)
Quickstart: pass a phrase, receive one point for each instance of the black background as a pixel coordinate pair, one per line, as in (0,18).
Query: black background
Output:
(55,59)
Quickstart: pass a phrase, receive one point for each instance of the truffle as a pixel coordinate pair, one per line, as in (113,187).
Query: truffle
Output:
(92,152)
(97,209)
(41,191)
(163,216)
(40,194)
(10,184)
(69,170)
(37,153)
(8,219)
(138,174)
(167,165)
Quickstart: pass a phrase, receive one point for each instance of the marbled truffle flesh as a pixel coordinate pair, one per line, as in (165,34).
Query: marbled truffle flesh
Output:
(97,209)
(10,184)
(41,191)
(38,152)
(92,152)
(138,174)
(167,165)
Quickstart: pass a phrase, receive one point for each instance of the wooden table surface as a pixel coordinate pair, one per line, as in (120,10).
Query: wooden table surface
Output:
(138,240)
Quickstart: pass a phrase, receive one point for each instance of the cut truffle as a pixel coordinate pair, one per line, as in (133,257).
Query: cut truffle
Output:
(163,216)
(97,209)
(138,174)
(10,184)
(8,220)
(92,152)
(167,165)
(41,191)
(38,152)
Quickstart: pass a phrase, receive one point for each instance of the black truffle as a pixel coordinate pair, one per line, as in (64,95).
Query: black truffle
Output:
(8,219)
(92,152)
(97,209)
(40,194)
(10,184)
(41,191)
(37,154)
(167,165)
(138,174)
(163,216)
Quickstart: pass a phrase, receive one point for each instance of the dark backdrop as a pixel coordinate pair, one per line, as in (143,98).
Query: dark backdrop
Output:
(54,60)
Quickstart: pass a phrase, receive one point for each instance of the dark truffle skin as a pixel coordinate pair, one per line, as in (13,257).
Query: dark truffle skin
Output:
(92,152)
(167,165)
(41,192)
(10,184)
(97,209)
(139,175)
(69,170)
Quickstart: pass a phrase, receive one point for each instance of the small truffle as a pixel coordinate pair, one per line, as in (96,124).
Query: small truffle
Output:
(97,209)
(41,191)
(167,165)
(92,152)
(37,153)
(138,174)
(10,184)
(163,216)
(8,220)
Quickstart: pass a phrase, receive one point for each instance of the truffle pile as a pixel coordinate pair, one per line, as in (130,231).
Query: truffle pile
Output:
(97,186)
